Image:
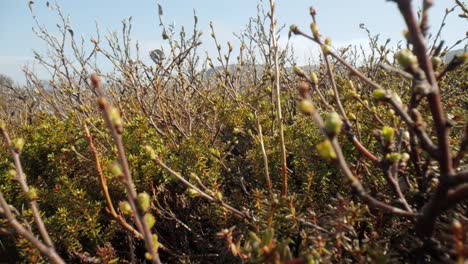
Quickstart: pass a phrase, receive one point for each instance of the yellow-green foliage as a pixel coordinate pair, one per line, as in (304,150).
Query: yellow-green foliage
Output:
(207,129)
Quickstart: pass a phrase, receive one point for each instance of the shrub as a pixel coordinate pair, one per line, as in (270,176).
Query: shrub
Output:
(351,162)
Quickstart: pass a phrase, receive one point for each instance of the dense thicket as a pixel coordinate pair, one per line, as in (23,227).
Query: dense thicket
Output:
(245,157)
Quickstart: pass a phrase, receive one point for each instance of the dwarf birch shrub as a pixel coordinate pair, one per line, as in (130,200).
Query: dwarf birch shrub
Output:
(256,161)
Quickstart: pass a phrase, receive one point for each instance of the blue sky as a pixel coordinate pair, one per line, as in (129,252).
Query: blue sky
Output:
(338,19)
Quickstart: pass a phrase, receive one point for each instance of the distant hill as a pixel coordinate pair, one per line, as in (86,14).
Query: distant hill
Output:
(452,54)
(260,68)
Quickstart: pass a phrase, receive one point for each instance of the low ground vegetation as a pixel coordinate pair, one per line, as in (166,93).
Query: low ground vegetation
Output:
(242,158)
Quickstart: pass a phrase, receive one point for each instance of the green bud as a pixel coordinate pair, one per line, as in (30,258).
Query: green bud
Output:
(150,152)
(193,176)
(125,207)
(406,58)
(32,194)
(315,30)
(388,134)
(298,71)
(325,48)
(11,174)
(149,220)
(380,94)
(219,196)
(314,78)
(18,144)
(192,192)
(333,123)
(148,256)
(352,117)
(2,125)
(144,201)
(115,169)
(271,73)
(405,157)
(115,119)
(306,107)
(393,157)
(326,150)
(294,29)
(328,41)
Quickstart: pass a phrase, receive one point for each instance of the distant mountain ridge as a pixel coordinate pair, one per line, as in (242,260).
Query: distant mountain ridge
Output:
(259,68)
(449,56)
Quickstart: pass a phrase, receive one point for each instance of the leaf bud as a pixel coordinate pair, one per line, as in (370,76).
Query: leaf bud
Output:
(306,107)
(379,94)
(314,78)
(393,157)
(144,201)
(406,58)
(326,150)
(11,174)
(333,123)
(315,30)
(388,134)
(298,71)
(294,29)
(125,207)
(150,152)
(192,192)
(18,144)
(32,194)
(149,219)
(325,48)
(115,169)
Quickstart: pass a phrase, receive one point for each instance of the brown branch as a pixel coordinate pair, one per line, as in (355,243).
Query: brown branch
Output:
(426,222)
(353,180)
(435,104)
(105,191)
(265,157)
(274,46)
(21,177)
(114,123)
(456,196)
(22,231)
(459,178)
(362,149)
(203,194)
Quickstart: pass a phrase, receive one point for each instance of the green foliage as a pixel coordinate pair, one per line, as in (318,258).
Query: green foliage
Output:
(207,129)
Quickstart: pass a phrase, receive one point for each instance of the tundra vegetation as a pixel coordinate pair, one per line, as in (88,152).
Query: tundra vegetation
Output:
(242,158)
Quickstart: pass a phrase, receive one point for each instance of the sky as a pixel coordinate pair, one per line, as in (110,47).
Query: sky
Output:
(338,19)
